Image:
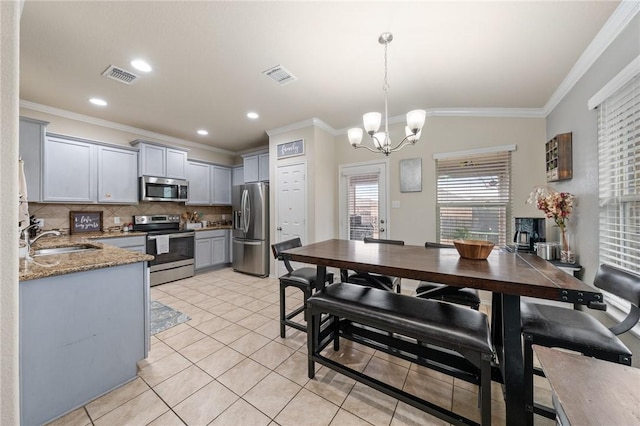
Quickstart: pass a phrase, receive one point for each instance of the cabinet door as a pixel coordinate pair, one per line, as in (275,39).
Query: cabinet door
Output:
(221,184)
(203,253)
(199,184)
(251,173)
(117,175)
(176,164)
(32,135)
(152,160)
(263,167)
(69,172)
(219,250)
(237,176)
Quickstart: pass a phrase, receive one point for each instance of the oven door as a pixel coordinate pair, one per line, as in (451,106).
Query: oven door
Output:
(181,248)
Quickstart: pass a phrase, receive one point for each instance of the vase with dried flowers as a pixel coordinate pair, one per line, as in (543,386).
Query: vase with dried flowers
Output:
(557,206)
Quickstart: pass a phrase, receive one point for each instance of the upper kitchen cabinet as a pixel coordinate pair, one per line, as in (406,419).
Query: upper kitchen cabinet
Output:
(221,185)
(69,172)
(161,161)
(64,169)
(208,184)
(117,175)
(32,135)
(256,167)
(237,176)
(199,183)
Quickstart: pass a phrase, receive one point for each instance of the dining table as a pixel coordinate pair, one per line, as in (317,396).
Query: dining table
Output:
(507,275)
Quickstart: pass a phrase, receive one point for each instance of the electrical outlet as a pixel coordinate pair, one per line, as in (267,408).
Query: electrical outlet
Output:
(40,223)
(116,221)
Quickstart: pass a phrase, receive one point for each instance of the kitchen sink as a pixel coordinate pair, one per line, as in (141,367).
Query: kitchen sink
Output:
(78,248)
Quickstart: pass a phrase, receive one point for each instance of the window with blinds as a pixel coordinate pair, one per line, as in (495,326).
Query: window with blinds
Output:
(362,205)
(619,177)
(474,197)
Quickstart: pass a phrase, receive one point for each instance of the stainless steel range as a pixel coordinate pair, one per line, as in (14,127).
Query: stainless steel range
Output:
(172,248)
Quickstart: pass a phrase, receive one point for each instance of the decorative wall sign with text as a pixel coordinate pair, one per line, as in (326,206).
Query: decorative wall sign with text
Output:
(291,149)
(85,222)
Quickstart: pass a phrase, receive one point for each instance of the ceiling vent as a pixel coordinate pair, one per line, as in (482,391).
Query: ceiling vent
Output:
(279,75)
(123,76)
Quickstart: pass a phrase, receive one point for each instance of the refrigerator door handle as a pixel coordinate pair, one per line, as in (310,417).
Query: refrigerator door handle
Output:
(247,210)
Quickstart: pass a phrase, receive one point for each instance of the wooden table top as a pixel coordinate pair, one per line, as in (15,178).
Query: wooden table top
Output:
(592,391)
(508,273)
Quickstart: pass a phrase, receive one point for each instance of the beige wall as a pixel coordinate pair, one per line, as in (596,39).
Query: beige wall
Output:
(9,84)
(70,127)
(414,222)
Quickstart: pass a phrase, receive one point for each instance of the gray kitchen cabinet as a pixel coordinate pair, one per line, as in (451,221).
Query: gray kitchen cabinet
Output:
(256,167)
(263,167)
(81,336)
(237,176)
(198,175)
(211,248)
(161,161)
(117,175)
(209,184)
(221,185)
(136,243)
(69,172)
(32,136)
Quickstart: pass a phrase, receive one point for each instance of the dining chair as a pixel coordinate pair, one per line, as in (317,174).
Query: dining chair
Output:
(458,295)
(575,330)
(382,282)
(303,278)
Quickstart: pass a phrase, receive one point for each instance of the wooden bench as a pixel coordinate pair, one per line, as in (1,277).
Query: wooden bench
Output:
(407,327)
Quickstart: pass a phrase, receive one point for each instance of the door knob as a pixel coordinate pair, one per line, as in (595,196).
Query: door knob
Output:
(279,228)
(381,220)
(381,229)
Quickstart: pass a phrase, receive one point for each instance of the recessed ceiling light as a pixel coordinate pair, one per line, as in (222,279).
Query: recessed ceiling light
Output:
(252,115)
(141,65)
(98,101)
(203,132)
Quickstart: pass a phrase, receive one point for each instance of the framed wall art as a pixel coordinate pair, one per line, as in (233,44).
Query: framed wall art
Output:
(411,175)
(85,222)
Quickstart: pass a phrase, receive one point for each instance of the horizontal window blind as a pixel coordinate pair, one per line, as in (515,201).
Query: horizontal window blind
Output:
(619,177)
(362,205)
(474,197)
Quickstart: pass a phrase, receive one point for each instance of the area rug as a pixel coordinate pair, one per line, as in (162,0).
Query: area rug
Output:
(164,317)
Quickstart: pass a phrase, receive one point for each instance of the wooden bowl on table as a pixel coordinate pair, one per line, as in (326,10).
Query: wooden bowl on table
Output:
(473,249)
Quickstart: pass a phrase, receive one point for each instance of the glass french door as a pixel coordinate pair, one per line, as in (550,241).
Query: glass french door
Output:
(363,201)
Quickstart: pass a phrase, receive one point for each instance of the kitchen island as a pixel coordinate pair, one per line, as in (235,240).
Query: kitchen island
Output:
(83,325)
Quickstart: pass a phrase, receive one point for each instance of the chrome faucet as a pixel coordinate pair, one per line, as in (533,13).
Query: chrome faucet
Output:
(37,237)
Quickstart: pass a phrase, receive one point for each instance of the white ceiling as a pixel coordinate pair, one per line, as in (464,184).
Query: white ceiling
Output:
(208,59)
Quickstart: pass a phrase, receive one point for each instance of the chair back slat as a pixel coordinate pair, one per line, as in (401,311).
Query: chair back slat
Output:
(278,248)
(383,241)
(429,244)
(616,281)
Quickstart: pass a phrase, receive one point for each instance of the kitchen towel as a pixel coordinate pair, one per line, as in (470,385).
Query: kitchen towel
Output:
(162,244)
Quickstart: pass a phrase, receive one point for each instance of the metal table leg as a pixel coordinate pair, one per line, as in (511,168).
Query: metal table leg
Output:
(511,362)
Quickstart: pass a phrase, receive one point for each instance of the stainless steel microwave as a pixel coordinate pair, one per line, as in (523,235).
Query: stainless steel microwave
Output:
(161,189)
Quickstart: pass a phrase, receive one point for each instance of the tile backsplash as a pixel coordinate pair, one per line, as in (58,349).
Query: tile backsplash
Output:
(56,216)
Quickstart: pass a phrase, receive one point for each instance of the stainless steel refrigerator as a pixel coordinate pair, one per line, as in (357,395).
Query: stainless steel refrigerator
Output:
(251,228)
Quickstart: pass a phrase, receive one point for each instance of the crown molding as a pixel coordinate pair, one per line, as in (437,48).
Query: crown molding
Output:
(117,126)
(616,23)
(312,122)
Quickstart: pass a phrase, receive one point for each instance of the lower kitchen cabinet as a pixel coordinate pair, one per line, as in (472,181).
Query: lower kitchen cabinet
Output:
(212,248)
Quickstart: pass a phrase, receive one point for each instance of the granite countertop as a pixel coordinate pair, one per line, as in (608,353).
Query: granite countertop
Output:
(213,228)
(105,256)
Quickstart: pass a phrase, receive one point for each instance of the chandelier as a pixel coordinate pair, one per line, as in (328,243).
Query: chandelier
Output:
(371,120)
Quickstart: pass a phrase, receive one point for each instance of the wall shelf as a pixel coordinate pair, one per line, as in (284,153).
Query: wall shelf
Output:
(558,161)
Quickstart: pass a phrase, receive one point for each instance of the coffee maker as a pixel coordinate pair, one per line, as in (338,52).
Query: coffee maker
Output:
(528,232)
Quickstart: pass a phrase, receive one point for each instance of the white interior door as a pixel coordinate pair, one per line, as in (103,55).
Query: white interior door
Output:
(363,200)
(291,205)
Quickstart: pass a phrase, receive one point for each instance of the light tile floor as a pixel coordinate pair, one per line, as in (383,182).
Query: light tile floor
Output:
(229,366)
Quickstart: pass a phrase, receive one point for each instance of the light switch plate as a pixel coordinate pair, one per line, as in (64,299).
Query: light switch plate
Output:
(116,221)
(395,204)
(40,223)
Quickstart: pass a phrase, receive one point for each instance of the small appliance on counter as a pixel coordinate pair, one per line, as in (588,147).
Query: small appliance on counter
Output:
(528,232)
